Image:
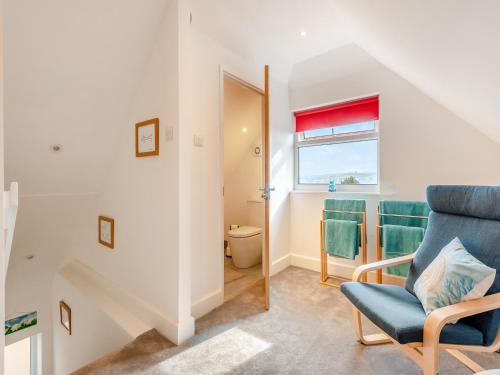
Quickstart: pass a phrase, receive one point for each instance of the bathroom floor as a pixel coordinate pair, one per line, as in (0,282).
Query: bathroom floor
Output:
(237,280)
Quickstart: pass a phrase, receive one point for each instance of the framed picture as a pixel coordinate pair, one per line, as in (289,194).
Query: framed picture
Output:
(65,315)
(20,322)
(106,229)
(147,134)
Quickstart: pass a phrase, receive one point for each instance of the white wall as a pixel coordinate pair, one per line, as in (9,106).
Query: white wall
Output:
(461,76)
(75,90)
(240,187)
(421,143)
(206,163)
(153,201)
(281,150)
(142,194)
(93,333)
(47,227)
(161,214)
(2,263)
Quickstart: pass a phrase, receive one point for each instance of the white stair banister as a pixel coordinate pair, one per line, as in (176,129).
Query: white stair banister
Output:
(10,204)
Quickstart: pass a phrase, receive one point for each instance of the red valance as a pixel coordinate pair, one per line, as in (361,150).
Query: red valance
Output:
(345,113)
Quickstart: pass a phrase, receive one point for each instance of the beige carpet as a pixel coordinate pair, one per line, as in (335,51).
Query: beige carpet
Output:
(231,275)
(249,277)
(308,330)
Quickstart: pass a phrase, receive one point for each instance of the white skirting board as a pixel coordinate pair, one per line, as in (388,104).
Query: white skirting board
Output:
(128,311)
(338,269)
(214,299)
(313,264)
(207,303)
(280,264)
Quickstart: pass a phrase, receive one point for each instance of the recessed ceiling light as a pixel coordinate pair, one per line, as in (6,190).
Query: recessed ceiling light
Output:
(56,148)
(244,130)
(303,33)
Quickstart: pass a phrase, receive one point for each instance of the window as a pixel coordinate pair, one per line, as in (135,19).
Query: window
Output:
(338,130)
(328,149)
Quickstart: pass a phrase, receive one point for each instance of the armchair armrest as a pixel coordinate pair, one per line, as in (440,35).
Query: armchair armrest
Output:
(361,270)
(437,319)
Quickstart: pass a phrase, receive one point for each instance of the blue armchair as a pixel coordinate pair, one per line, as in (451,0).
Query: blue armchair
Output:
(471,213)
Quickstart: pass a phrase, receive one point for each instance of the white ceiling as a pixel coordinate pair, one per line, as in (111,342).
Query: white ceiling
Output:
(334,64)
(70,71)
(71,66)
(268,31)
(449,49)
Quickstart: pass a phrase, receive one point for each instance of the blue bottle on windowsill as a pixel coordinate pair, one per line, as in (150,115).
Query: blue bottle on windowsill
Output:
(331,186)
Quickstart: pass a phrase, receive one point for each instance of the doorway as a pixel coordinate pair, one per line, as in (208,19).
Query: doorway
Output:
(244,174)
(23,357)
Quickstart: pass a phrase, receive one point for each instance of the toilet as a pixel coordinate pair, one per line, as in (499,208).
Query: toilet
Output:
(246,246)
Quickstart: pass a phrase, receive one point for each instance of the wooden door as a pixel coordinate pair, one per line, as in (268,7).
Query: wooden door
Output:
(266,193)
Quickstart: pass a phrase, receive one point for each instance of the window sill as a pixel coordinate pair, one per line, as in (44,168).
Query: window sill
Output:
(335,193)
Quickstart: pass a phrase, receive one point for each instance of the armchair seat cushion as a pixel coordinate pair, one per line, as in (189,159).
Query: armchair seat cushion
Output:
(400,314)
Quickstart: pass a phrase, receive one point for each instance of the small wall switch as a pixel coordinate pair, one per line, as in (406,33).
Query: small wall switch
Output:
(169,133)
(198,141)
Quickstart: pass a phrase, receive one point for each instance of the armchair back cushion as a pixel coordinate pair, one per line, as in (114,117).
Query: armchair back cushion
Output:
(471,213)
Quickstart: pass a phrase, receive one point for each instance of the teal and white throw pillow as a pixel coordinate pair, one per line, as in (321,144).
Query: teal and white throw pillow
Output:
(454,276)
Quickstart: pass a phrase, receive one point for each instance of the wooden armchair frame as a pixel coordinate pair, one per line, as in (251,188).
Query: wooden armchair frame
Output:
(426,353)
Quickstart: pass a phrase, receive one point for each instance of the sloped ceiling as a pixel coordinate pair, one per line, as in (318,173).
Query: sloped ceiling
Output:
(71,68)
(337,63)
(268,31)
(242,110)
(449,49)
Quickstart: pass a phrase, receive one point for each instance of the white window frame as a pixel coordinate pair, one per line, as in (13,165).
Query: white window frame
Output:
(370,135)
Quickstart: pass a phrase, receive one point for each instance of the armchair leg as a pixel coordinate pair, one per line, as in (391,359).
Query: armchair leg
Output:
(430,353)
(466,361)
(375,339)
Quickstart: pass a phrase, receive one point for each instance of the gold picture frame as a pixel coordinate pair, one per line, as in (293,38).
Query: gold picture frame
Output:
(106,231)
(65,316)
(147,138)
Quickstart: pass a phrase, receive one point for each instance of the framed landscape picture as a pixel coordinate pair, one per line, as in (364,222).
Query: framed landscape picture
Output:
(20,322)
(65,316)
(106,229)
(147,141)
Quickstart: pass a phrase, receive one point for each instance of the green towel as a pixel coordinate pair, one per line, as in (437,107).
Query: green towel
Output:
(352,205)
(412,208)
(341,238)
(398,241)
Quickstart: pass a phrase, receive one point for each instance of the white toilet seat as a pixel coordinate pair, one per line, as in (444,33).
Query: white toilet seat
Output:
(244,231)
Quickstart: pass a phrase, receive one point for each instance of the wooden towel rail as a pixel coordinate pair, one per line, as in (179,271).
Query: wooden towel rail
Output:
(324,275)
(379,249)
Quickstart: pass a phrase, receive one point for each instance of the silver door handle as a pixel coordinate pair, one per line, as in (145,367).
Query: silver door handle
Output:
(266,193)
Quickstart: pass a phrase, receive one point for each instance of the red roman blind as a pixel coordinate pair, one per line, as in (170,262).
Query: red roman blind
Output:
(345,113)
